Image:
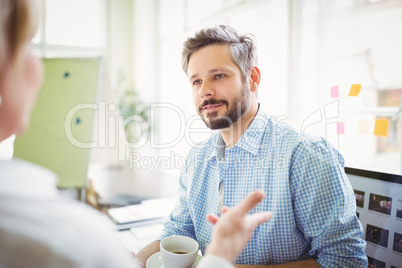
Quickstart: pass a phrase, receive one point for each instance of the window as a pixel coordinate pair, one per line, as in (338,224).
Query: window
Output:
(75,23)
(305,48)
(72,29)
(355,42)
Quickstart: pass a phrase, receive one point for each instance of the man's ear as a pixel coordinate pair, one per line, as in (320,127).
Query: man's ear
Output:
(255,78)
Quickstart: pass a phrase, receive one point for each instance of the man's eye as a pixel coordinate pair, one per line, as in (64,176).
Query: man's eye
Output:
(196,82)
(219,76)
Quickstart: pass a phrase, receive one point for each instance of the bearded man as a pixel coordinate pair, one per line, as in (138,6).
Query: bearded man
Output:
(312,202)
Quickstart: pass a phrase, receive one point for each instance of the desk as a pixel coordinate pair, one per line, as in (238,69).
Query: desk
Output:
(111,181)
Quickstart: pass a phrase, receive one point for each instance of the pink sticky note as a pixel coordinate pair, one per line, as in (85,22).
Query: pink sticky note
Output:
(334,92)
(340,128)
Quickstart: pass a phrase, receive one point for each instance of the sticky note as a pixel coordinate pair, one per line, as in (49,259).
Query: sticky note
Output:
(334,92)
(381,127)
(340,128)
(354,90)
(362,127)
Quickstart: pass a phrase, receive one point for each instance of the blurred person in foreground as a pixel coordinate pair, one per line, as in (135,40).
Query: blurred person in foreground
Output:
(38,227)
(314,221)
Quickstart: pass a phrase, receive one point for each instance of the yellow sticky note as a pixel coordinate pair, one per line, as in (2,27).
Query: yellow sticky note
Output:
(381,127)
(355,90)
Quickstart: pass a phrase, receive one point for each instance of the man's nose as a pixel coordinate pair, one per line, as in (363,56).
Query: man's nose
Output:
(206,90)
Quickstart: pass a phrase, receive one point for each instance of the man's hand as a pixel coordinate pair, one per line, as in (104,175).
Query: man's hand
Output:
(235,228)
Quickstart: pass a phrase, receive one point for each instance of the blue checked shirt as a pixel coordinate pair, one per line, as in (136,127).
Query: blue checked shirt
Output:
(306,189)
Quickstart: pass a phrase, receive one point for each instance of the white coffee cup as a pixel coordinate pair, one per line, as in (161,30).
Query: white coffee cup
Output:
(178,251)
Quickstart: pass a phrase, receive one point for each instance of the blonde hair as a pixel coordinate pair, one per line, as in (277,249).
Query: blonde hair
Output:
(19,21)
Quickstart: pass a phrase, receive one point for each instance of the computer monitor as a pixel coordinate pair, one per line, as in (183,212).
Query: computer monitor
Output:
(379,208)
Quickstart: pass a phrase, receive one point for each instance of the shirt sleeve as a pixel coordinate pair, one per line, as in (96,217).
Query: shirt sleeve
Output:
(325,207)
(213,261)
(179,221)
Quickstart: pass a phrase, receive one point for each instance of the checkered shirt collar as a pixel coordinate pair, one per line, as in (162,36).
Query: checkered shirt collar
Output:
(249,141)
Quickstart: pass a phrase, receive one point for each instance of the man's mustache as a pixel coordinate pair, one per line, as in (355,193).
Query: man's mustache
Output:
(211,102)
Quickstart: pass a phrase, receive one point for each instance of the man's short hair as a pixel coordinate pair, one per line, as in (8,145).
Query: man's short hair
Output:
(242,47)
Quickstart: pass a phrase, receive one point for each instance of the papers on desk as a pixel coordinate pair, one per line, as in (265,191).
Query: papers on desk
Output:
(154,210)
(147,232)
(137,238)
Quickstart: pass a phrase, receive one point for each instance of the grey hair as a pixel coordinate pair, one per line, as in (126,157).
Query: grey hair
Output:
(242,47)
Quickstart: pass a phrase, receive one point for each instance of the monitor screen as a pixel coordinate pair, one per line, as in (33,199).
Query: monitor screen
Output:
(379,208)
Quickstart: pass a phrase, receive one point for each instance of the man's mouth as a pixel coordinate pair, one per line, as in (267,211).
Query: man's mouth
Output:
(211,106)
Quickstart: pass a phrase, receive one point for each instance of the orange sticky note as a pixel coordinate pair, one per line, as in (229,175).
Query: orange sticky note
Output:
(381,127)
(354,90)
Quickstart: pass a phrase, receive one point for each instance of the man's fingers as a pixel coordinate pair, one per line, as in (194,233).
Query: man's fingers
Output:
(225,209)
(212,218)
(259,218)
(250,202)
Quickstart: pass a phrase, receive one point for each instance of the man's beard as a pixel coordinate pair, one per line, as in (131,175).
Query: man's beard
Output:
(239,106)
